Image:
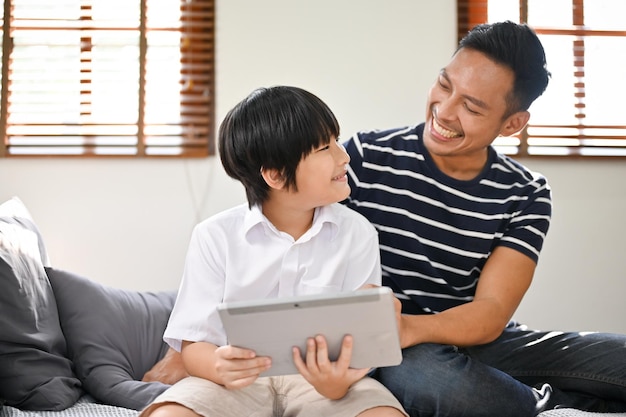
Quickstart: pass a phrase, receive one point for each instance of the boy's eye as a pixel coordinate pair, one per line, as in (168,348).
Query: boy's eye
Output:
(327,147)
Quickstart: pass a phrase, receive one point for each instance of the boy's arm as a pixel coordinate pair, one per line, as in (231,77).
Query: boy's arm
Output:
(227,365)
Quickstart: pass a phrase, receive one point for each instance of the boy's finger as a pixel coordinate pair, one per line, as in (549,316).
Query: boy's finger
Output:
(322,351)
(311,353)
(233,352)
(346,351)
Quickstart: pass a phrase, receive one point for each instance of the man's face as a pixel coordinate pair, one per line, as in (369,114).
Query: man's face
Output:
(466,107)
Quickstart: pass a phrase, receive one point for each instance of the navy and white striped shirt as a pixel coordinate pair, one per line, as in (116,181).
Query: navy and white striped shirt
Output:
(437,232)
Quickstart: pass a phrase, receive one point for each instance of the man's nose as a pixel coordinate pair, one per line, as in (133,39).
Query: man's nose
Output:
(444,110)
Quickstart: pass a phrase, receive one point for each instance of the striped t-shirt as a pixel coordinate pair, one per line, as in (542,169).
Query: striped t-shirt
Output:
(437,232)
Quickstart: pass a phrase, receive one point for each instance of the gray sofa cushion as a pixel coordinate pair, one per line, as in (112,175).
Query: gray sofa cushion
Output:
(114,336)
(35,373)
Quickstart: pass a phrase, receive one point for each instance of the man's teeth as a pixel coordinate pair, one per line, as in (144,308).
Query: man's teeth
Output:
(445,132)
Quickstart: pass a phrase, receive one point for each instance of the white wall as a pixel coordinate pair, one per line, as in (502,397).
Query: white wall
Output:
(126,223)
(580,280)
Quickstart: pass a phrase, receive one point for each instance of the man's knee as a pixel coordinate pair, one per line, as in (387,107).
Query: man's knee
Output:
(426,378)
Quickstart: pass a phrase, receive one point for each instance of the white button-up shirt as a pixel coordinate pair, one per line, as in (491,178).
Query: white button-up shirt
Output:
(238,255)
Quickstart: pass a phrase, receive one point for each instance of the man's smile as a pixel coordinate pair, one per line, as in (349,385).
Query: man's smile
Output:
(446,133)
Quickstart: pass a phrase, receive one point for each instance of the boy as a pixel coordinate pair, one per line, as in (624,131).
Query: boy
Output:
(291,238)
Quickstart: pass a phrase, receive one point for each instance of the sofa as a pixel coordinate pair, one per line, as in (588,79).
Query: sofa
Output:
(67,342)
(71,347)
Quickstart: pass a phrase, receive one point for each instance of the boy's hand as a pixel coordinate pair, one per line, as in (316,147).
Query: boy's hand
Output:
(331,379)
(237,368)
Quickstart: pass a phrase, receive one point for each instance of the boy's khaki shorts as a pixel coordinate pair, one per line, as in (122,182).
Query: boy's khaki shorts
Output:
(288,396)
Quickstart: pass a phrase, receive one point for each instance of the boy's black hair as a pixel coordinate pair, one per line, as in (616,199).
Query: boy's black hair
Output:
(273,128)
(517,47)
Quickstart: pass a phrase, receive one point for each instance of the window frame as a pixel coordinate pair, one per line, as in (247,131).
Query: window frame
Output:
(577,143)
(191,136)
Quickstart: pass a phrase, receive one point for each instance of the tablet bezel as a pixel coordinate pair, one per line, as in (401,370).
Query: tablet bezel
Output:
(271,327)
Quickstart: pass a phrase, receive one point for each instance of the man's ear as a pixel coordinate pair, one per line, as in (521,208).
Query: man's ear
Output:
(514,123)
(273,178)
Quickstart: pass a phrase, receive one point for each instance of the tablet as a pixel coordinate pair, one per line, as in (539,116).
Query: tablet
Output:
(271,327)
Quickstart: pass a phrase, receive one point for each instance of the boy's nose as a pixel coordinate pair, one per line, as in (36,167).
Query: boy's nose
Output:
(341,154)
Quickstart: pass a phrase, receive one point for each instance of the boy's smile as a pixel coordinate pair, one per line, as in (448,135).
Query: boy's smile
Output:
(343,177)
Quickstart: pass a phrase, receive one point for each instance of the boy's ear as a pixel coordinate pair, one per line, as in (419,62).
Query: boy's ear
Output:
(273,178)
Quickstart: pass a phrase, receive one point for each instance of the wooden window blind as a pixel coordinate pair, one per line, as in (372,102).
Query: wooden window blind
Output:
(581,114)
(107,78)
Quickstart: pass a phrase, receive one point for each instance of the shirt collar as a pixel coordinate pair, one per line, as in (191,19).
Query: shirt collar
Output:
(325,217)
(325,221)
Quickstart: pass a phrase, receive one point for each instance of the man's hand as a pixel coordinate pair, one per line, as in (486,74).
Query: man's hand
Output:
(330,379)
(168,370)
(402,321)
(403,325)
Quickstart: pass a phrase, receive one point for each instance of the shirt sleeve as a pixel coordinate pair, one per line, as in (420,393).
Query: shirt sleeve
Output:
(194,316)
(529,226)
(364,255)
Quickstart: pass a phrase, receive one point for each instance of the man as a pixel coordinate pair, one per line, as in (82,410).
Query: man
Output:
(461,228)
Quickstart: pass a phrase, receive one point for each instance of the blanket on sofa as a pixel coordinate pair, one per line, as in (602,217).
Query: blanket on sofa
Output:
(86,406)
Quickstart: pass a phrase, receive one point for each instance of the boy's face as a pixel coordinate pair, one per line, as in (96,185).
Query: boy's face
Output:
(321,176)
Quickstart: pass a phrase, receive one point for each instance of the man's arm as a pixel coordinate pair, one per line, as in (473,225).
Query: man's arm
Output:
(503,282)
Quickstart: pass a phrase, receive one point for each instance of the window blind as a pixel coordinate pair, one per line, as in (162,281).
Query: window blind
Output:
(107,78)
(580,114)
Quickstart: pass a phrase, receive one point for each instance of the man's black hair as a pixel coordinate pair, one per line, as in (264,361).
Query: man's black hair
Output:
(517,47)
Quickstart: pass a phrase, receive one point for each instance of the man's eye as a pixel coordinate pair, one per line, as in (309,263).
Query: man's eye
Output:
(470,110)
